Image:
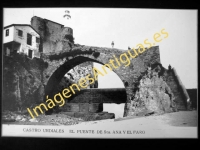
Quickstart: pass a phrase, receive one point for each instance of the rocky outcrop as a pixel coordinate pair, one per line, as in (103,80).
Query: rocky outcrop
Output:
(22,82)
(23,85)
(152,95)
(81,71)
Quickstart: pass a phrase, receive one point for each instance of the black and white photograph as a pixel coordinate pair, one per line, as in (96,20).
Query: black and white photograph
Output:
(124,73)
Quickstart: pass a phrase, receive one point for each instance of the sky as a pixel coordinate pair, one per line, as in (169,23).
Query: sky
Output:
(127,27)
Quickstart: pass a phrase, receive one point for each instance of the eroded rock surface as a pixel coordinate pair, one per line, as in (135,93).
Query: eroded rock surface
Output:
(152,96)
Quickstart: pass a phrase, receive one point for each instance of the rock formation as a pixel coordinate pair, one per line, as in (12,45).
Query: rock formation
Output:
(152,95)
(22,82)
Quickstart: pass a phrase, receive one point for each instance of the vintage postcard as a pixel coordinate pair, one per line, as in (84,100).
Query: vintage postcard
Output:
(99,73)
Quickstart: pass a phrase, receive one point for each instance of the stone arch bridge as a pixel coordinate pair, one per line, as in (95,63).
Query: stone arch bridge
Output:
(60,63)
(146,89)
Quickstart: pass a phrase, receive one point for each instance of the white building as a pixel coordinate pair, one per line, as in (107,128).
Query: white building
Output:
(21,38)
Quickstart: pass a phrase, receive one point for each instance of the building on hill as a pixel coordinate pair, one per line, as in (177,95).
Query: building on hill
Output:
(54,35)
(21,38)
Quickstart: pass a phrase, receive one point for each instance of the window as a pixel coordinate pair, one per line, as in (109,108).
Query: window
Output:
(37,40)
(20,33)
(7,32)
(30,53)
(29,39)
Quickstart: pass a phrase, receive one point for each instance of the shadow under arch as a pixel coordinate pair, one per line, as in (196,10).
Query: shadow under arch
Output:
(56,77)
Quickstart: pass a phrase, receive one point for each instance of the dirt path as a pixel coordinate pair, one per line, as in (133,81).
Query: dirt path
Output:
(178,119)
(181,118)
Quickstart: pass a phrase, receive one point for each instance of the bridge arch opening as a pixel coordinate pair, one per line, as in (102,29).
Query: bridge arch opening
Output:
(111,81)
(61,71)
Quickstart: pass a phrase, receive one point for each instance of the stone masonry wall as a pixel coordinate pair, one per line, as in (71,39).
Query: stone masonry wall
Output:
(55,37)
(52,34)
(90,102)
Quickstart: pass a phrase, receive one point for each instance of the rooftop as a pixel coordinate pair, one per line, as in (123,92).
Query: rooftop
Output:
(20,25)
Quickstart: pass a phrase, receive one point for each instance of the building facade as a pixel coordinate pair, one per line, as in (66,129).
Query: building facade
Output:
(53,35)
(21,38)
